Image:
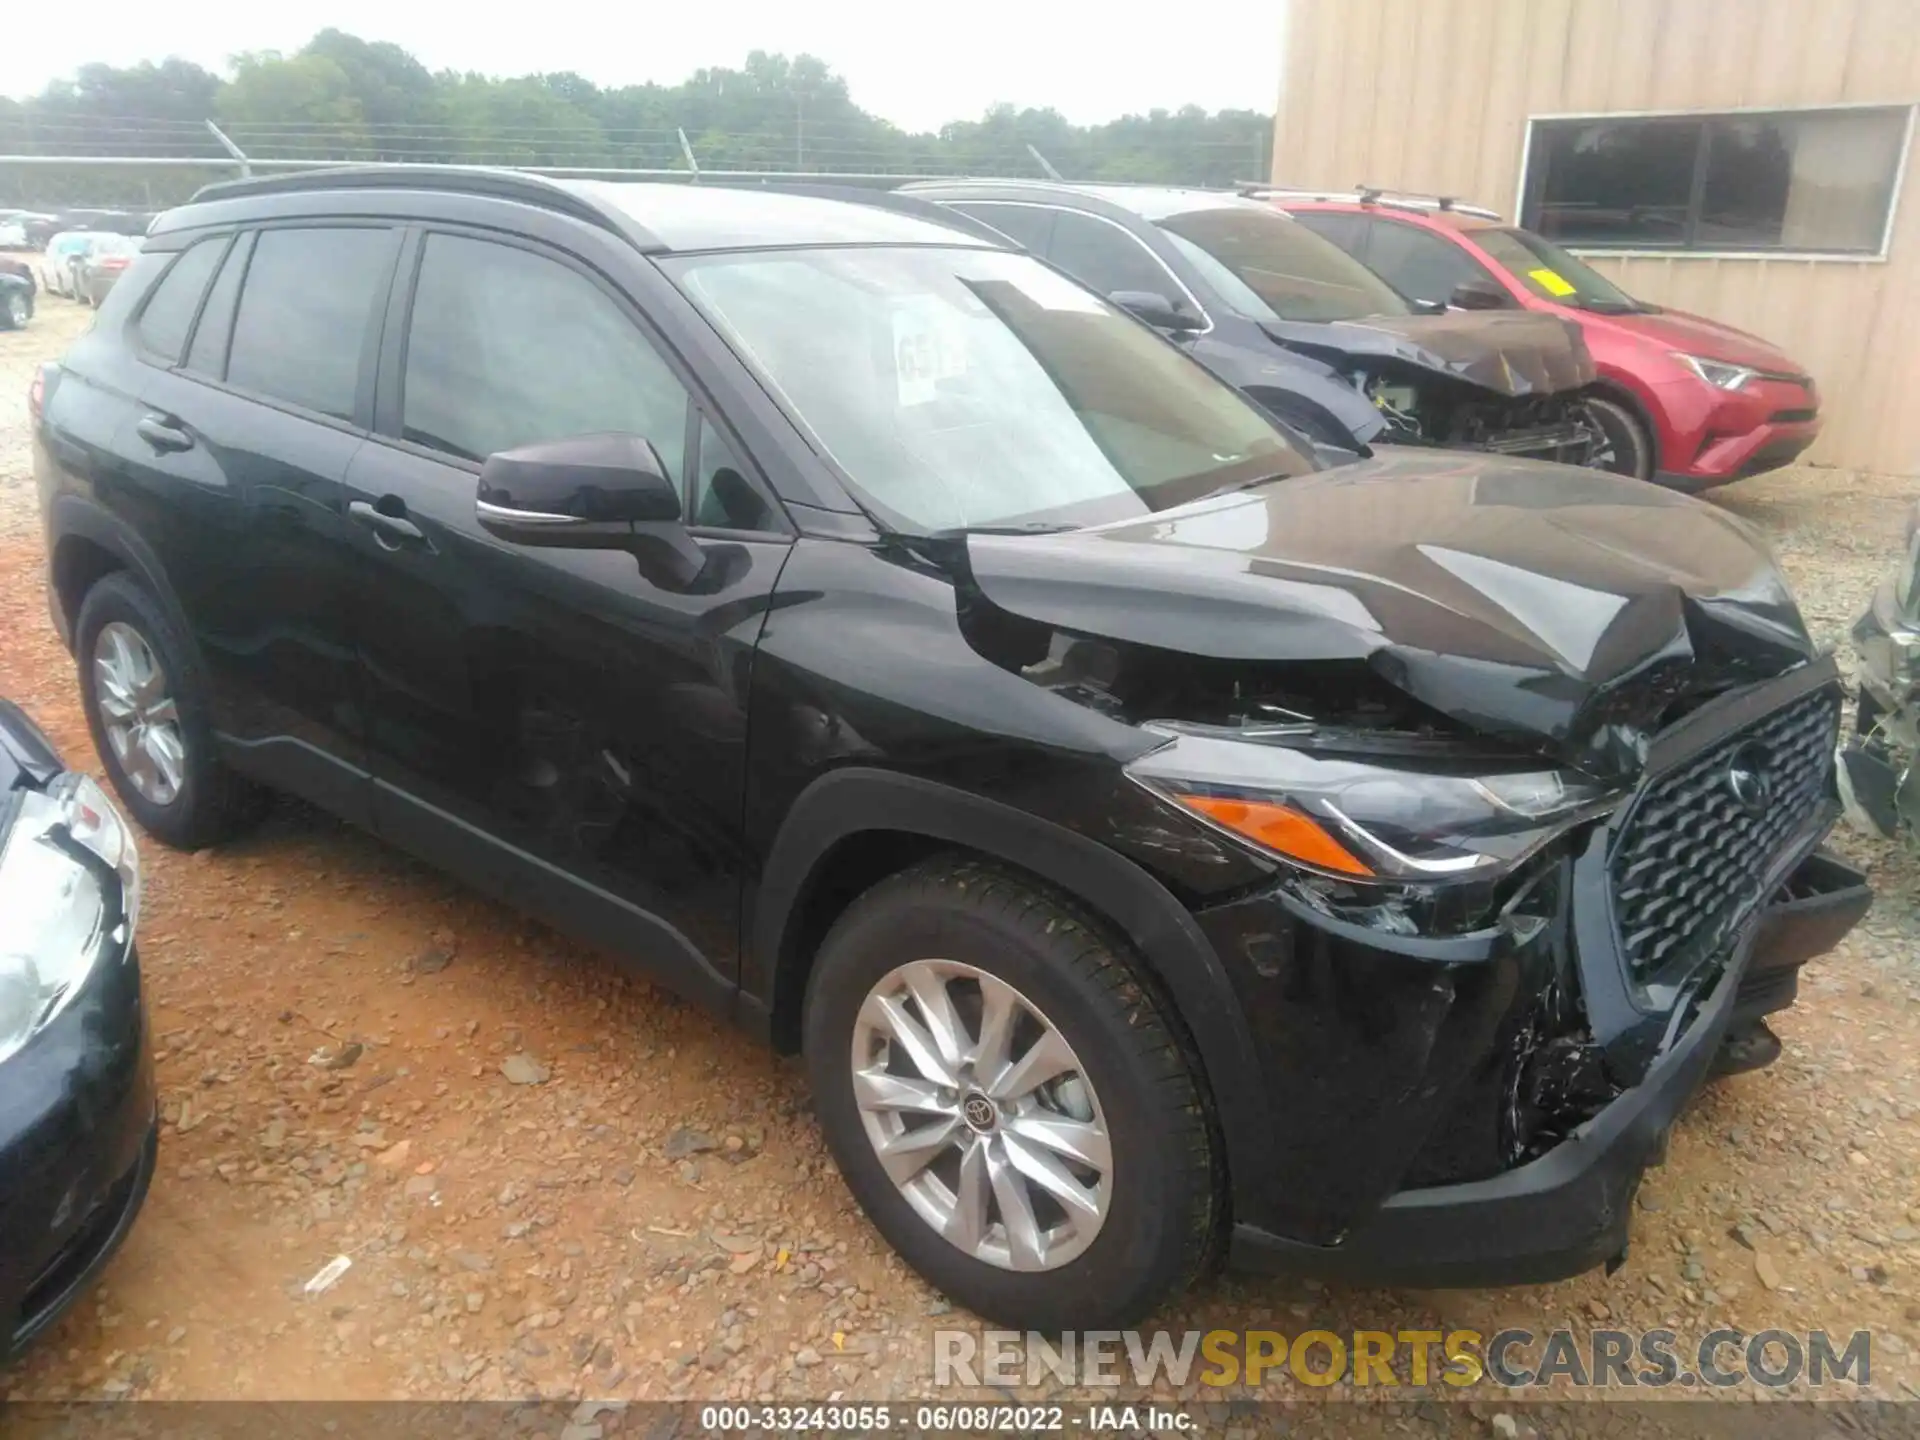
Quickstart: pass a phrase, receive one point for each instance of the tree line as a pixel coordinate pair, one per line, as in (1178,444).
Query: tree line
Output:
(340,97)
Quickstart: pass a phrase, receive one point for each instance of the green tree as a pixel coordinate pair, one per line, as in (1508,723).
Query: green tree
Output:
(296,107)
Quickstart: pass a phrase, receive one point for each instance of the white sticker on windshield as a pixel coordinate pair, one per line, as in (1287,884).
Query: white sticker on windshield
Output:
(929,345)
(1052,291)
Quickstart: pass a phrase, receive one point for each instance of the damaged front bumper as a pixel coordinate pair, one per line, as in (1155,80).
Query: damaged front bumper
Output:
(1569,1210)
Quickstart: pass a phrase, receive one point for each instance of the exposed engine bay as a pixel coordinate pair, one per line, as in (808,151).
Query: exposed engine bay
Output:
(1431,410)
(1508,384)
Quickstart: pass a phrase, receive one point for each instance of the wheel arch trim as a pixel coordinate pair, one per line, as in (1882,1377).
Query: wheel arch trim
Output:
(848,802)
(71,517)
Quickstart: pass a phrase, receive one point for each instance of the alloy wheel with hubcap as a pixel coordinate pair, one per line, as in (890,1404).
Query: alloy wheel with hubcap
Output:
(138,712)
(981,1113)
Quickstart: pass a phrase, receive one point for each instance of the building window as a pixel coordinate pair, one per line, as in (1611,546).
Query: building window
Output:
(1812,181)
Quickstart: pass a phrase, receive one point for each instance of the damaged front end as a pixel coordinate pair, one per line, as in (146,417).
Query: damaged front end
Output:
(1879,781)
(1508,384)
(1537,776)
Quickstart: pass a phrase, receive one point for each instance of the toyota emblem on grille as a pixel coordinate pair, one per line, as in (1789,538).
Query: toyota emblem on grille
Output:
(1748,781)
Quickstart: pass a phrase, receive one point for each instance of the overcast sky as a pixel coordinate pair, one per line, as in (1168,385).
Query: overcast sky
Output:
(917,65)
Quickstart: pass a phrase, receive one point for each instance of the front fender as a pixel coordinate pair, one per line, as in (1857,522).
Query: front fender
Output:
(847,802)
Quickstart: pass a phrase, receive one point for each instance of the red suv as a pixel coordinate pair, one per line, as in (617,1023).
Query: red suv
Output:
(1684,400)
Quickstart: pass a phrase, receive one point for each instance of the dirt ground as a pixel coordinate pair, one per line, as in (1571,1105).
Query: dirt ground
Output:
(656,1215)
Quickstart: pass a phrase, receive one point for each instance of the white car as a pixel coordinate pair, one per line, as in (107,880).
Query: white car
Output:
(62,254)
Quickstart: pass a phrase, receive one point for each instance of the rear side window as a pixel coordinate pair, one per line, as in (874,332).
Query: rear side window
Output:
(208,353)
(507,348)
(169,312)
(304,312)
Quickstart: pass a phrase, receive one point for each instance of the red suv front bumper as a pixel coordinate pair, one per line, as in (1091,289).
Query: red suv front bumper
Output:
(1712,436)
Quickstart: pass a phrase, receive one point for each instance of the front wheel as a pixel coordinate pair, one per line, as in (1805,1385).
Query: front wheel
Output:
(1012,1107)
(17,311)
(1626,448)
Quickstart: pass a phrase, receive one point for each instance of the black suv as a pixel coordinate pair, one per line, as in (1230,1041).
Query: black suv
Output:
(1150,840)
(1301,326)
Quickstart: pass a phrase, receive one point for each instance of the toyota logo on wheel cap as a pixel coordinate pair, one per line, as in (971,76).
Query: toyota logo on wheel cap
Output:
(1748,780)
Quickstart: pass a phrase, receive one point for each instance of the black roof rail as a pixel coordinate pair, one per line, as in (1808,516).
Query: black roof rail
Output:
(482,181)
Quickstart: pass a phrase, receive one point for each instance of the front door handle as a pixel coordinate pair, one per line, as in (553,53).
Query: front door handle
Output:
(164,433)
(391,529)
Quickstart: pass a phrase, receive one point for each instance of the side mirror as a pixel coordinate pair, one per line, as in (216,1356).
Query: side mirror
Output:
(1480,293)
(1156,309)
(591,492)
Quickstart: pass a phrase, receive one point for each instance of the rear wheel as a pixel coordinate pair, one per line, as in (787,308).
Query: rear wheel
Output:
(146,705)
(1627,448)
(1008,1101)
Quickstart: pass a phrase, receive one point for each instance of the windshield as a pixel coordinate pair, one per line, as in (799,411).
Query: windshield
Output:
(974,389)
(1551,273)
(1297,274)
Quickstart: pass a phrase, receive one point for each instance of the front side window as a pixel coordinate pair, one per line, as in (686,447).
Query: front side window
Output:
(1296,274)
(1028,226)
(1104,257)
(1418,263)
(1805,180)
(979,389)
(304,313)
(1551,273)
(508,348)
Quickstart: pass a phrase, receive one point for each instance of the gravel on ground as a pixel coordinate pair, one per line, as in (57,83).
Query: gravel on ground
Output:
(554,1181)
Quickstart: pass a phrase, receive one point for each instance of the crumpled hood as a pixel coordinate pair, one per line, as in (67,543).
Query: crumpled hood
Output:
(1564,610)
(1513,352)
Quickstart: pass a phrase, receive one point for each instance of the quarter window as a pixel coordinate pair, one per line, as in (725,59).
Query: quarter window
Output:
(508,348)
(169,313)
(304,312)
(1802,180)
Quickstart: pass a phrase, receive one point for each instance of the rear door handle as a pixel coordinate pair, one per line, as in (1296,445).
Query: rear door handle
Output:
(394,529)
(164,433)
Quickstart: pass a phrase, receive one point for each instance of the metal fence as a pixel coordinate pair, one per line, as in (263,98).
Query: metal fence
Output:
(148,165)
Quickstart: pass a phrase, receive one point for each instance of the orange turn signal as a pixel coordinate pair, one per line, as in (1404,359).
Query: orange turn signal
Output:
(1279,827)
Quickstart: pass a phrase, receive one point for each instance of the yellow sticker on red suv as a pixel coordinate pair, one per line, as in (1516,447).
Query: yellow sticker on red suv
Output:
(1551,282)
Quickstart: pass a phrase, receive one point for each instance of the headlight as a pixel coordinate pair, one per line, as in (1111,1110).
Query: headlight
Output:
(57,873)
(1361,820)
(1717,373)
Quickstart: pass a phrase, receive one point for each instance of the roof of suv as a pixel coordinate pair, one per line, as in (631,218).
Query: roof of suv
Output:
(1426,216)
(657,217)
(1150,202)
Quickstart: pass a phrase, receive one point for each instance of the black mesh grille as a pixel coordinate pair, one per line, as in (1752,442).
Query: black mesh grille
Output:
(1690,862)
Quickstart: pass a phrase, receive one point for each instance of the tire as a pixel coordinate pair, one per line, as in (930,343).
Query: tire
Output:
(1630,448)
(16,312)
(208,802)
(1133,1076)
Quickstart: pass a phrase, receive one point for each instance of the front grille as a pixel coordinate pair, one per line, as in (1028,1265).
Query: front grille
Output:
(1693,854)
